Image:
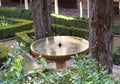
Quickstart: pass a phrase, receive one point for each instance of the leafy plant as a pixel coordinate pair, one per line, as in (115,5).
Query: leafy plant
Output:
(84,71)
(13,72)
(116,55)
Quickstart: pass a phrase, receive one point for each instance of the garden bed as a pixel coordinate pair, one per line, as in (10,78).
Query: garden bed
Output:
(17,25)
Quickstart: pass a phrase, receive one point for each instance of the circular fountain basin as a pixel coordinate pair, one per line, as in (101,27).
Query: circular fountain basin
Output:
(59,48)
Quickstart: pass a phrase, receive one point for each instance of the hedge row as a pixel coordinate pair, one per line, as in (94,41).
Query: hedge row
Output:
(57,30)
(24,37)
(69,21)
(12,12)
(72,31)
(56,19)
(116,28)
(18,26)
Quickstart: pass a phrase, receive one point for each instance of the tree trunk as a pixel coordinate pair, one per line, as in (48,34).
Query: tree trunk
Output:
(41,18)
(101,31)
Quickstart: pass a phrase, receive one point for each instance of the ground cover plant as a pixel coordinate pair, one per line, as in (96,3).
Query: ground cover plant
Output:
(84,71)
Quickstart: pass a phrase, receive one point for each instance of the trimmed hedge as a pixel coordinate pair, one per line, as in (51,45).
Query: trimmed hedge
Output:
(12,12)
(116,28)
(18,26)
(116,55)
(57,30)
(24,37)
(3,54)
(56,19)
(69,21)
(72,31)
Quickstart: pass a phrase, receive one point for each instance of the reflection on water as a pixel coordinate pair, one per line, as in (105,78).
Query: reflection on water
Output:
(70,45)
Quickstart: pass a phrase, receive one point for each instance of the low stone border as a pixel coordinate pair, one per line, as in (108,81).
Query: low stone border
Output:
(117,35)
(2,40)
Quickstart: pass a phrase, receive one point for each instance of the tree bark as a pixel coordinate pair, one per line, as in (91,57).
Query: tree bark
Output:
(41,18)
(101,31)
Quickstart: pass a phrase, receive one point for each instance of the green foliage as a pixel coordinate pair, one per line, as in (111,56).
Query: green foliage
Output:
(19,25)
(12,12)
(56,19)
(13,67)
(72,31)
(3,54)
(117,28)
(5,22)
(116,55)
(24,37)
(27,36)
(69,21)
(13,72)
(84,71)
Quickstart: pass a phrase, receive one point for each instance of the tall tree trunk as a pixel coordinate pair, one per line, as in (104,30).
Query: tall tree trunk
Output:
(41,18)
(101,31)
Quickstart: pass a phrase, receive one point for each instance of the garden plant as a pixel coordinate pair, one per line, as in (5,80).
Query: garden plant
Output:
(85,70)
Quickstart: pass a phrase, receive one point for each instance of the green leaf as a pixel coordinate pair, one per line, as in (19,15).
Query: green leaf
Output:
(44,64)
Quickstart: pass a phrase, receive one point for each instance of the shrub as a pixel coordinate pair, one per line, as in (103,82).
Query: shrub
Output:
(5,22)
(84,71)
(12,12)
(69,21)
(56,19)
(56,30)
(116,55)
(13,72)
(24,37)
(117,28)
(3,54)
(72,31)
(17,26)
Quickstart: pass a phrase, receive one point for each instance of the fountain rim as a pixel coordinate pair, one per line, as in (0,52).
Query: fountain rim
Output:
(37,54)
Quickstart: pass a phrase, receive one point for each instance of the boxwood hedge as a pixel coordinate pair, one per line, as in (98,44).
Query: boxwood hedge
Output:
(12,12)
(56,19)
(17,26)
(26,36)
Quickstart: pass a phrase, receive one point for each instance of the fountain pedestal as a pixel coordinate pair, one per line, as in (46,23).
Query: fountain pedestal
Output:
(60,65)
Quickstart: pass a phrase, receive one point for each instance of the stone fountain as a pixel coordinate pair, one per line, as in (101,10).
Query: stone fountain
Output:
(59,48)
